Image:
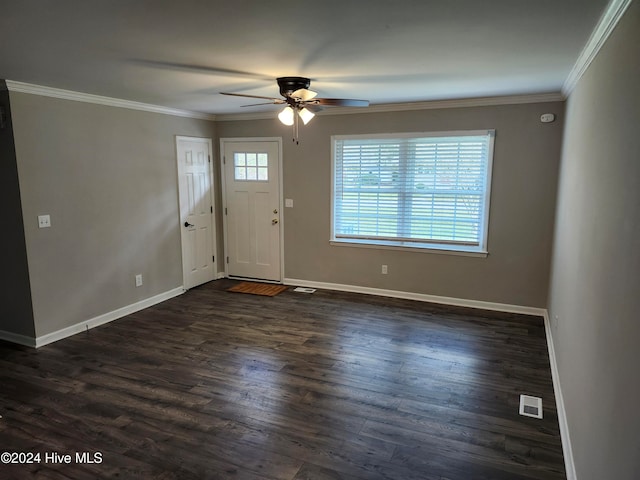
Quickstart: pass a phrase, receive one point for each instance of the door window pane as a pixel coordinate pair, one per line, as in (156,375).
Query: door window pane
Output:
(252,167)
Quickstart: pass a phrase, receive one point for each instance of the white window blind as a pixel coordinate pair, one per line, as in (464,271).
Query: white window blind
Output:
(420,190)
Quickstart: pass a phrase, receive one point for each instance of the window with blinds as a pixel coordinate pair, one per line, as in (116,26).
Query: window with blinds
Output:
(413,190)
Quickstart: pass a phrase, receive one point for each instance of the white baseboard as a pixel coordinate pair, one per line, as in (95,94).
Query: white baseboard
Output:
(17,338)
(105,318)
(422,297)
(567,451)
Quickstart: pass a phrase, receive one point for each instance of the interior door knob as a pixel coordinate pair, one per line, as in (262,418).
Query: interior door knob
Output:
(187,224)
(274,221)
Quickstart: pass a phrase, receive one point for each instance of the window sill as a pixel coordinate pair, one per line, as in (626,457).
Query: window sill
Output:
(438,250)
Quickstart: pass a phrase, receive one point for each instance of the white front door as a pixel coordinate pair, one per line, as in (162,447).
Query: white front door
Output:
(252,207)
(196,210)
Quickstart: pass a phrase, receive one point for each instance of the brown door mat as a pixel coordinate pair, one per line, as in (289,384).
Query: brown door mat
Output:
(267,289)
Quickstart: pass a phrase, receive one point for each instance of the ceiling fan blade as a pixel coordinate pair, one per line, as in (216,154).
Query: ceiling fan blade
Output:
(298,96)
(314,108)
(275,102)
(251,96)
(303,94)
(199,68)
(339,102)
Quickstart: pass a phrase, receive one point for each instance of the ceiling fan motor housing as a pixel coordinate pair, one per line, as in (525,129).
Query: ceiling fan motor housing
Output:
(288,85)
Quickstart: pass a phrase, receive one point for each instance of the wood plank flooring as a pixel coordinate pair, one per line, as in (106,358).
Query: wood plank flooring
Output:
(217,385)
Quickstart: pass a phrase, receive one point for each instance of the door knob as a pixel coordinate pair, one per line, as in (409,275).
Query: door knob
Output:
(274,221)
(187,224)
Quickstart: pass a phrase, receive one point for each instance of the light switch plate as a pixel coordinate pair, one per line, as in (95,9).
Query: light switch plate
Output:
(288,202)
(44,221)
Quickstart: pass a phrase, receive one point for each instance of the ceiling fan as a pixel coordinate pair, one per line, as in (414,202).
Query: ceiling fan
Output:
(300,101)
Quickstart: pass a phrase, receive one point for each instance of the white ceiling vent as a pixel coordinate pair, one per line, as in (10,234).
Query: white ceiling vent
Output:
(530,406)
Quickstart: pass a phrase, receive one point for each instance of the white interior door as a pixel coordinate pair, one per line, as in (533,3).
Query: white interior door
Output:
(252,206)
(196,210)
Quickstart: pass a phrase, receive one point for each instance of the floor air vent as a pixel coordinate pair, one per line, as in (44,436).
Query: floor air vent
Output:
(304,290)
(530,406)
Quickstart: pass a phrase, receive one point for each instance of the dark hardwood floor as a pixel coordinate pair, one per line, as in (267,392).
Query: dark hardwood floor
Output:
(217,385)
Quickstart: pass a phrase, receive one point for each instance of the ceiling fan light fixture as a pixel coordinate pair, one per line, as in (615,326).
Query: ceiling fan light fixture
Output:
(286,115)
(296,97)
(306,115)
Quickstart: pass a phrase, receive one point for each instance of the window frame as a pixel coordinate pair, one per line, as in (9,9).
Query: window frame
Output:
(245,167)
(430,246)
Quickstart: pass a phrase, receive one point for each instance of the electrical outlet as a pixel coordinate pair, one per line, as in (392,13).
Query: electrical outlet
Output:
(138,280)
(385,270)
(547,117)
(44,221)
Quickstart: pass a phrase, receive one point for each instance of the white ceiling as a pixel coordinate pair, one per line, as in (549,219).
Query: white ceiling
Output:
(181,54)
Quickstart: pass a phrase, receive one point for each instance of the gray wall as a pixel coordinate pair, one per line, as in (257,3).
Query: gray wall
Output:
(595,287)
(108,178)
(15,295)
(523,195)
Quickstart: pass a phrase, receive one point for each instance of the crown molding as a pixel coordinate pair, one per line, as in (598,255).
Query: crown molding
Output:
(608,21)
(428,105)
(32,89)
(21,87)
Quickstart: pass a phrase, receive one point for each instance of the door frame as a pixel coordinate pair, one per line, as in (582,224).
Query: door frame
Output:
(223,142)
(212,191)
